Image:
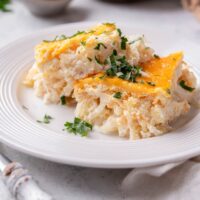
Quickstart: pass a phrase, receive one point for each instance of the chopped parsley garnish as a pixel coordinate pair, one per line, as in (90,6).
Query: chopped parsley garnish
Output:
(107,23)
(151,83)
(83,43)
(115,52)
(64,37)
(46,119)
(186,87)
(57,38)
(105,62)
(132,42)
(77,33)
(119,31)
(63,100)
(156,56)
(117,95)
(98,61)
(124,40)
(122,69)
(3,5)
(102,77)
(78,127)
(99,46)
(90,59)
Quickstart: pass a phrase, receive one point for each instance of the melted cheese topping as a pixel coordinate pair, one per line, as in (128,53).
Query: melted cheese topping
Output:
(48,50)
(159,71)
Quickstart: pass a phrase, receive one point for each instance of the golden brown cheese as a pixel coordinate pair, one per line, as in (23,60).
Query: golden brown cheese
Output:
(46,51)
(159,71)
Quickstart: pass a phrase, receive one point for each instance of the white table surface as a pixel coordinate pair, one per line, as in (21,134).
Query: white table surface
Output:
(68,182)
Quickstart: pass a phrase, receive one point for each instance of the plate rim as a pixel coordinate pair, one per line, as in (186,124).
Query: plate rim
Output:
(89,163)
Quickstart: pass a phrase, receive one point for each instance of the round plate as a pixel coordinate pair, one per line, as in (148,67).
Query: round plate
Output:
(20,109)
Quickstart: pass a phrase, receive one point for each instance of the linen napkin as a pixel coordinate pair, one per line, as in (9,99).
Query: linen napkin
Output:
(172,181)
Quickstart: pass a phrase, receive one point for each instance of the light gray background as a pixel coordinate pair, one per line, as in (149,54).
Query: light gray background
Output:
(67,182)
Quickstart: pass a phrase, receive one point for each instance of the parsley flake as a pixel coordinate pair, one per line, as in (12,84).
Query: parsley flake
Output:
(117,95)
(115,52)
(83,43)
(99,46)
(64,37)
(63,100)
(77,33)
(108,24)
(57,38)
(151,83)
(102,77)
(138,39)
(46,119)
(156,56)
(3,5)
(124,40)
(119,31)
(122,69)
(78,127)
(186,87)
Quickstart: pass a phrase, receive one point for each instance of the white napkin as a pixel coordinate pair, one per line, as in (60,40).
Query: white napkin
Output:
(4,193)
(167,182)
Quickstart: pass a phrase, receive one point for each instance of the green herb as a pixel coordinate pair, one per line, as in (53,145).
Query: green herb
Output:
(78,127)
(77,33)
(64,37)
(102,77)
(124,40)
(83,43)
(63,100)
(117,95)
(46,119)
(97,60)
(105,62)
(119,31)
(151,83)
(122,69)
(156,56)
(184,86)
(3,5)
(115,52)
(132,42)
(90,59)
(57,38)
(99,45)
(107,23)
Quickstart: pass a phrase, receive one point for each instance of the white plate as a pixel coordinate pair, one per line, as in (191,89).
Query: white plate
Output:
(20,130)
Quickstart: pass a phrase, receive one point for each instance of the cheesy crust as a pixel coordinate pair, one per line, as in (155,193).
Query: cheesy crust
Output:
(58,64)
(143,110)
